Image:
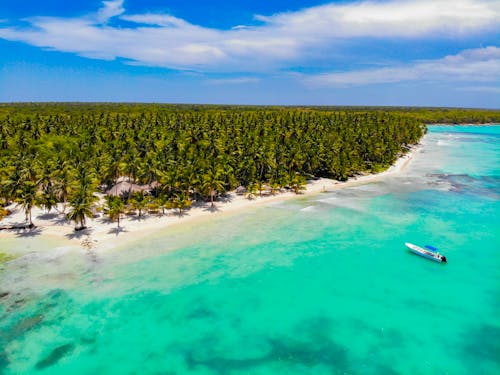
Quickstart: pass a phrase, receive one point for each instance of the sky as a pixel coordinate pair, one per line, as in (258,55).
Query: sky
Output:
(293,52)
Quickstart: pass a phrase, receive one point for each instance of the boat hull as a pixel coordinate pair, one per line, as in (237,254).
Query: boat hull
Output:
(436,257)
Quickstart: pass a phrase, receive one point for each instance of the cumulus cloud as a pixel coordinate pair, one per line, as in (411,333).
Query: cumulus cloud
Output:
(163,40)
(475,65)
(410,18)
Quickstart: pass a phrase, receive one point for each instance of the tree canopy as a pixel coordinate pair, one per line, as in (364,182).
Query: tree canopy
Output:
(66,152)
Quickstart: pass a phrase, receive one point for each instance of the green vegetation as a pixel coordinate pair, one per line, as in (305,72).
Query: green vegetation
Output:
(448,115)
(428,115)
(5,257)
(66,153)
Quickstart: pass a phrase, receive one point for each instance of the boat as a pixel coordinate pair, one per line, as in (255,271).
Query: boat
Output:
(432,255)
(431,248)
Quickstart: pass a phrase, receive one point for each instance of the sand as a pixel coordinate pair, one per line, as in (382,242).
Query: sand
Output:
(104,235)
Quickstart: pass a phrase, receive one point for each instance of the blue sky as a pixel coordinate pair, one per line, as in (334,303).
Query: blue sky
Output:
(405,52)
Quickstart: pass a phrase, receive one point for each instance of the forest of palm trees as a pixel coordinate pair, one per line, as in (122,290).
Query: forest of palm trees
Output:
(68,153)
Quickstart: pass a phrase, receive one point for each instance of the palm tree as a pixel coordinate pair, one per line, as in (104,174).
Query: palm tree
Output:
(63,182)
(212,183)
(139,201)
(259,185)
(80,208)
(114,170)
(85,177)
(298,183)
(163,202)
(275,187)
(15,175)
(115,208)
(251,190)
(48,201)
(26,197)
(181,202)
(152,206)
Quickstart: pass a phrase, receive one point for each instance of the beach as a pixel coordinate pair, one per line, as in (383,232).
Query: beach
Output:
(102,234)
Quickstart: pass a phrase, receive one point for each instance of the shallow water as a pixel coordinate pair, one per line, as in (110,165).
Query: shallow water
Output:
(315,285)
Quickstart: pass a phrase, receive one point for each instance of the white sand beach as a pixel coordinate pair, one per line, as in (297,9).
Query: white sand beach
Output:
(102,234)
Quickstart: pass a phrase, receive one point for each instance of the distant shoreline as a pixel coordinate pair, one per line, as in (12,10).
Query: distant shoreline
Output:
(103,235)
(465,124)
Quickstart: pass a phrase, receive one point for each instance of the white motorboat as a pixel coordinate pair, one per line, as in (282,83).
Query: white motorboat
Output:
(432,255)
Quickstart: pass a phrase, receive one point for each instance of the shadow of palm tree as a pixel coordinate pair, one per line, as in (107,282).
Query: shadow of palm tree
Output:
(180,214)
(60,220)
(212,209)
(226,198)
(103,220)
(137,218)
(48,216)
(29,232)
(79,234)
(160,214)
(117,230)
(198,204)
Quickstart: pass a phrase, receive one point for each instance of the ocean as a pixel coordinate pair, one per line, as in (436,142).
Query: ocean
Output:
(315,285)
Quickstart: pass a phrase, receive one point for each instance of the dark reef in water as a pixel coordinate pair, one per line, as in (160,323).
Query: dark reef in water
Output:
(317,348)
(55,356)
(486,186)
(483,343)
(4,361)
(25,325)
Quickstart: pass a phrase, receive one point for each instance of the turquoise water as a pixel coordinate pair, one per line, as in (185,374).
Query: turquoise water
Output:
(315,285)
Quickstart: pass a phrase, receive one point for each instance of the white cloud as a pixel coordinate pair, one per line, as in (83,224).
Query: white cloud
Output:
(110,9)
(156,20)
(475,65)
(407,18)
(163,40)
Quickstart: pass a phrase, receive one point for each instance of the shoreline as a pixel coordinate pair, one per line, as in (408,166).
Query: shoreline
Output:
(103,235)
(464,124)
